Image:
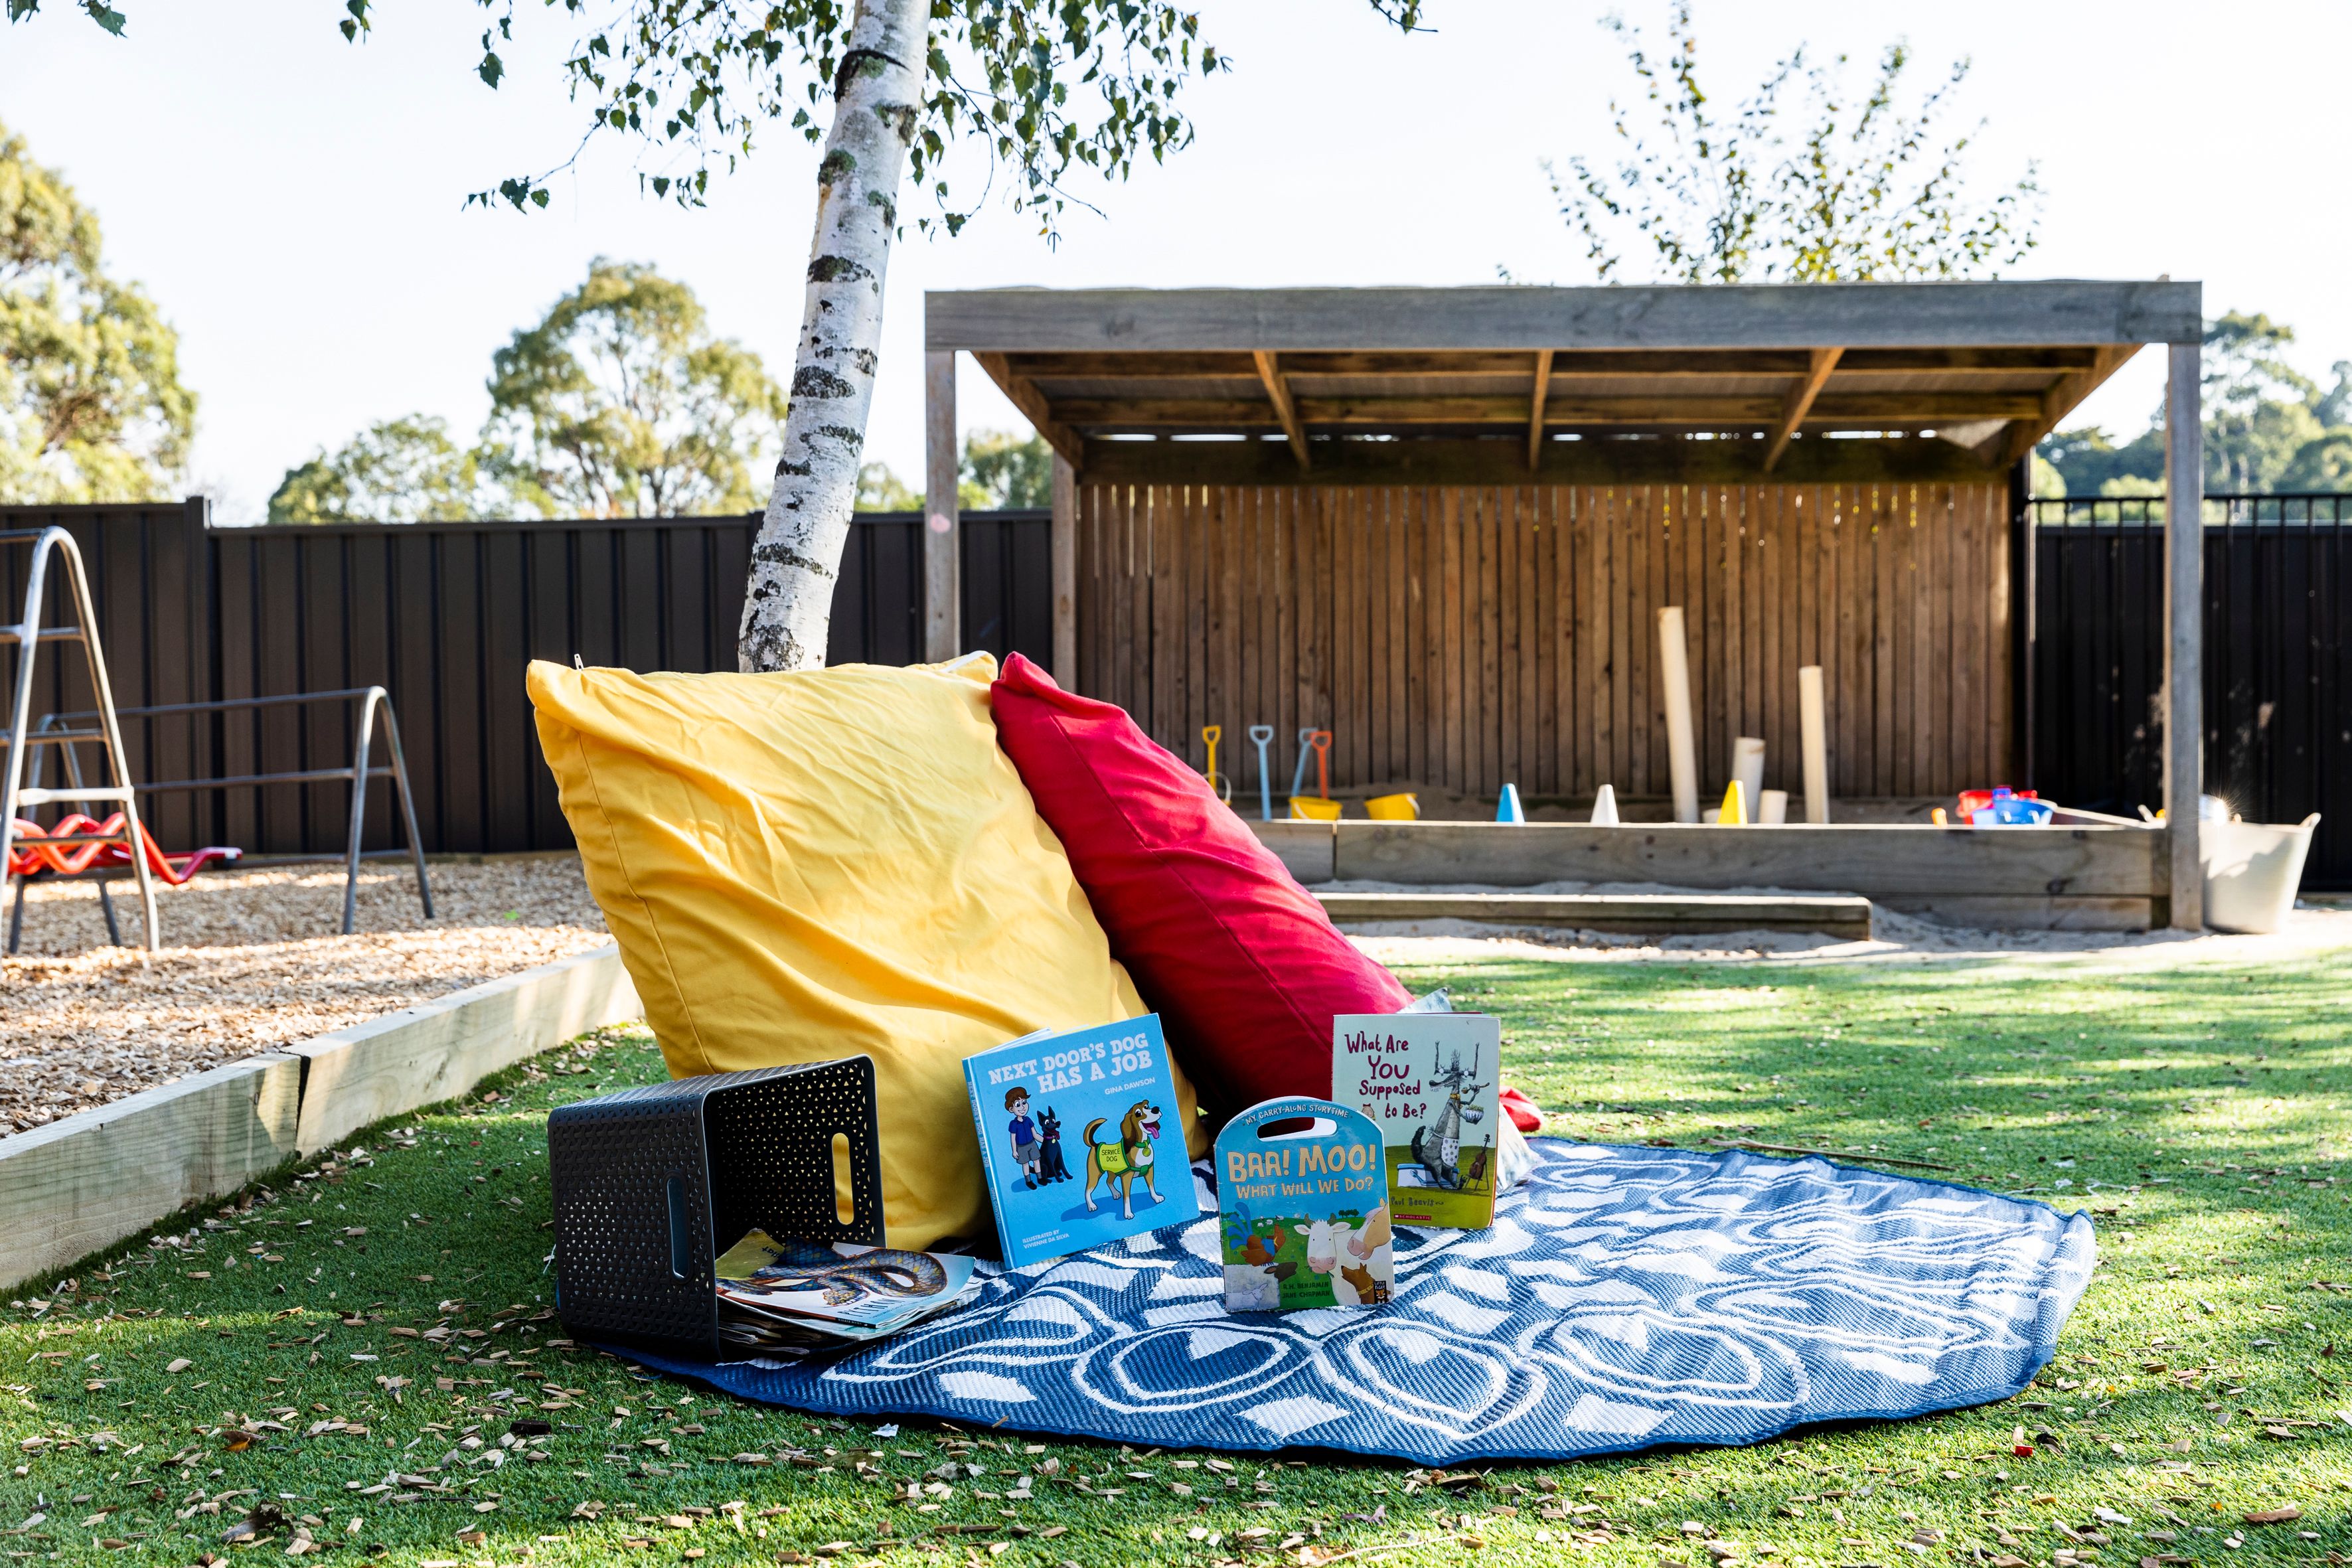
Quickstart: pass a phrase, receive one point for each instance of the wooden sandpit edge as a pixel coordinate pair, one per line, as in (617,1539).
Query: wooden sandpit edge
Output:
(85,1181)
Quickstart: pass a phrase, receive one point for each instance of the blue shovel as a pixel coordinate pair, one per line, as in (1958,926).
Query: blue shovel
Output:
(1262,736)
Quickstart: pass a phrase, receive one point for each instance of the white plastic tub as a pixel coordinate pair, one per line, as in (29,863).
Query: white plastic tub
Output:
(2251,872)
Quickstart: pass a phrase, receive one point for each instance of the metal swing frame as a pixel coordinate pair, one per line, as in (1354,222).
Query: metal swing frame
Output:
(27,635)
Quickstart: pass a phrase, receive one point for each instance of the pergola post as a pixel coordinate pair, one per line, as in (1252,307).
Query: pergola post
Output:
(2184,619)
(1063,546)
(942,542)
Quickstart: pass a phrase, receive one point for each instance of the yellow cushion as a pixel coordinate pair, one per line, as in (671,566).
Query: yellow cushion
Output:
(828,863)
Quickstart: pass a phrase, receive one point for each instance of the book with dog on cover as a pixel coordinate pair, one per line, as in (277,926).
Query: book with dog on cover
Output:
(1079,1138)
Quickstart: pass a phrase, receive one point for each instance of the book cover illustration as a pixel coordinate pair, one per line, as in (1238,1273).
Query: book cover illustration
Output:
(1302,1201)
(1071,1127)
(1430,1082)
(788,1298)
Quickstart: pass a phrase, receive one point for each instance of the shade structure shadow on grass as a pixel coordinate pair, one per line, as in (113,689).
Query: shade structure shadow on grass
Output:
(1625,1297)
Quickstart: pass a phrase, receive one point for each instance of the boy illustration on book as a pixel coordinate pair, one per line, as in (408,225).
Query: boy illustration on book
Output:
(1025,1148)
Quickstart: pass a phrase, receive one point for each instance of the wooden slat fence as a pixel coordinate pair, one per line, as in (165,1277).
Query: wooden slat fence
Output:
(1457,639)
(445,617)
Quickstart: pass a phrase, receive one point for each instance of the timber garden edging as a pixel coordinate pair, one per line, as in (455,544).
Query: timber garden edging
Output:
(85,1181)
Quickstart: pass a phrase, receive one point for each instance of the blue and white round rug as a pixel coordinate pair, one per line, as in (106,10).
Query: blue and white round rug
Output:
(1625,1297)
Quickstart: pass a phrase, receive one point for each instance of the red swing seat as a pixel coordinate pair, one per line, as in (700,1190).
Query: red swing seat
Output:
(39,850)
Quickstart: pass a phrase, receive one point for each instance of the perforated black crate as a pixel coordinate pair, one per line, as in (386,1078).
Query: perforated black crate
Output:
(651,1184)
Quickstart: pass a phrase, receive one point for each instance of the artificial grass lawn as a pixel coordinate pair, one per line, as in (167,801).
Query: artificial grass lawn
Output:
(2199,1113)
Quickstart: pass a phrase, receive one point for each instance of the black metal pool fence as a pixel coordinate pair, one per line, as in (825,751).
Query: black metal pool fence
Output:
(2278,659)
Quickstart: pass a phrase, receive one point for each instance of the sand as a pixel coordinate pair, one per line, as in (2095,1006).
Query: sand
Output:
(252,962)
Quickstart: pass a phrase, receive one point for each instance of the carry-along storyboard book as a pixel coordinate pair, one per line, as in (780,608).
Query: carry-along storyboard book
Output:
(1080,1138)
(1429,1080)
(1302,1208)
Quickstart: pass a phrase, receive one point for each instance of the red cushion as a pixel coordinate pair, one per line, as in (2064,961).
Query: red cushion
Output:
(1243,965)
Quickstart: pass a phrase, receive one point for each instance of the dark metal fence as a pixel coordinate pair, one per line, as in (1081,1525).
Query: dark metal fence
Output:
(445,617)
(2278,659)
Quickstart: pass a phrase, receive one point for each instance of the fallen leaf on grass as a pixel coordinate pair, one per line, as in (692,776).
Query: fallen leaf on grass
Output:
(2274,1515)
(264,1518)
(181,1364)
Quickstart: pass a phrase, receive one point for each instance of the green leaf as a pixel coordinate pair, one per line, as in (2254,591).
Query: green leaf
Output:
(105,15)
(490,70)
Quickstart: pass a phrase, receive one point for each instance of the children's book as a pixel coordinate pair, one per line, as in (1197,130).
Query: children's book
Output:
(1302,1204)
(797,1297)
(1080,1138)
(1430,1082)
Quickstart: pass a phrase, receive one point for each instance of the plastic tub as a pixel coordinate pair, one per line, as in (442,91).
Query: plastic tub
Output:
(2251,872)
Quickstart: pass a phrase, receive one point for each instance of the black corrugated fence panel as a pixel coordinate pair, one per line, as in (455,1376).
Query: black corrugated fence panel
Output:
(445,617)
(149,598)
(2278,730)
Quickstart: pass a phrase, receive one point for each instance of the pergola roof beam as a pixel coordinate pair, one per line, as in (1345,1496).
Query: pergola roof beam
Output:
(1567,364)
(1023,394)
(1278,391)
(2064,395)
(1860,410)
(1799,402)
(1536,408)
(1802,316)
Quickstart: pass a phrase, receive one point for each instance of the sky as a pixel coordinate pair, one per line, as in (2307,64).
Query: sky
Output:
(295,203)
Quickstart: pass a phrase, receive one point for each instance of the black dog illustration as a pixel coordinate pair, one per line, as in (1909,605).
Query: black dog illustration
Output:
(1051,1167)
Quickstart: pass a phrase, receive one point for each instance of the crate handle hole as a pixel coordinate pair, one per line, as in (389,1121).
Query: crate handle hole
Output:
(681,1256)
(845,1197)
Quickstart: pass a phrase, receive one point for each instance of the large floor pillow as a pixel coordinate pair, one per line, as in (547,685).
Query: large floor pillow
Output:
(1243,965)
(805,866)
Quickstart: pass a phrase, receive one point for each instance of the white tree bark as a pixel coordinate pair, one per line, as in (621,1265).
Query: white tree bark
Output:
(796,556)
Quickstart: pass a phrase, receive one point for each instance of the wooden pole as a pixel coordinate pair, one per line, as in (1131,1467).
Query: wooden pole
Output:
(1748,768)
(1682,744)
(1065,549)
(943,579)
(1812,719)
(2184,614)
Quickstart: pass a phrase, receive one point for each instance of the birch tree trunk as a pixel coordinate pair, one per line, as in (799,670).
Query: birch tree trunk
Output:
(796,556)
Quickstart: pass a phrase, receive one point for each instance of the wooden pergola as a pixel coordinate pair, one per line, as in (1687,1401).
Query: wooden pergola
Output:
(1855,387)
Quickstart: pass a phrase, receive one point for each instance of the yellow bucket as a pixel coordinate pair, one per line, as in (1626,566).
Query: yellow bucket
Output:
(1392,808)
(1308,808)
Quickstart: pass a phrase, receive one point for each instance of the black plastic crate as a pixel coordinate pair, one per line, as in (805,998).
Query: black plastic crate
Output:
(651,1184)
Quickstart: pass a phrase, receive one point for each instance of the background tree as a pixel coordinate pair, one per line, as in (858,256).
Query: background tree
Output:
(879,488)
(91,408)
(397,471)
(998,469)
(1042,88)
(2268,426)
(1831,187)
(621,403)
(1007,470)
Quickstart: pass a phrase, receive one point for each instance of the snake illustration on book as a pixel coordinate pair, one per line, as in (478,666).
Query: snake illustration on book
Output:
(885,1271)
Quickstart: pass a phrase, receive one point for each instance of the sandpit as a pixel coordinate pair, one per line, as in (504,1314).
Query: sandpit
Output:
(251,961)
